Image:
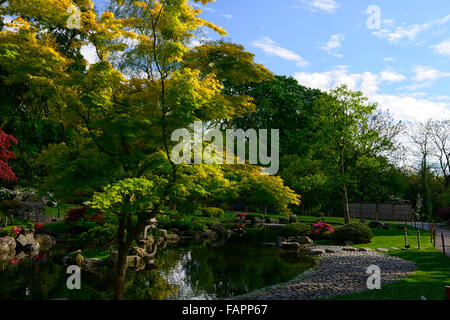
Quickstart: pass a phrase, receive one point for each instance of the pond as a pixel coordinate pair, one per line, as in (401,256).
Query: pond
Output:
(195,271)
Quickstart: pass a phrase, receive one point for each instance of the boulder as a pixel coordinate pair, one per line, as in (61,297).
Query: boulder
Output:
(375,225)
(23,240)
(349,249)
(382,250)
(331,250)
(292,219)
(173,237)
(93,265)
(136,263)
(290,245)
(364,249)
(284,220)
(7,244)
(211,235)
(316,251)
(31,247)
(79,259)
(304,240)
(45,241)
(136,251)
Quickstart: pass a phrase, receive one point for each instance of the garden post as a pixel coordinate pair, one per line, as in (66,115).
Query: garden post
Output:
(12,218)
(6,221)
(418,239)
(406,236)
(443,243)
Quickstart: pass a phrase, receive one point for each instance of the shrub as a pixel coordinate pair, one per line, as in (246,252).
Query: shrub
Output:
(296,229)
(76,214)
(102,236)
(355,232)
(212,212)
(9,204)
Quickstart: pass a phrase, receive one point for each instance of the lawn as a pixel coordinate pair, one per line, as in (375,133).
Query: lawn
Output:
(430,279)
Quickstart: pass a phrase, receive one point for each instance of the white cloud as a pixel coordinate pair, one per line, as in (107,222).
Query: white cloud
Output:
(334,44)
(411,107)
(328,6)
(228,16)
(394,35)
(442,48)
(389,59)
(391,76)
(272,48)
(367,82)
(428,74)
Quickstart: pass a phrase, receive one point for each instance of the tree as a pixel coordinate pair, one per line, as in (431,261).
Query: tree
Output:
(5,170)
(423,149)
(117,115)
(440,132)
(343,122)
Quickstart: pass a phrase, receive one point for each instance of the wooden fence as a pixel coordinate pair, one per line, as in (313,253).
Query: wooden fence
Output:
(378,211)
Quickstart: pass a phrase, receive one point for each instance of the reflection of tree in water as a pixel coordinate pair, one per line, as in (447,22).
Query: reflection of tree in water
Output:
(234,269)
(42,281)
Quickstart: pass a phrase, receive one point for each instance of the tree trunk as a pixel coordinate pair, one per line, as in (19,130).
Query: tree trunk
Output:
(121,269)
(344,189)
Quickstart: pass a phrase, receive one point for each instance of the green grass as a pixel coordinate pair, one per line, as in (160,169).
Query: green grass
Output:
(430,279)
(53,212)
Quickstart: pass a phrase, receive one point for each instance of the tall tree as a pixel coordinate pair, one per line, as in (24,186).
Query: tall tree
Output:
(343,122)
(117,115)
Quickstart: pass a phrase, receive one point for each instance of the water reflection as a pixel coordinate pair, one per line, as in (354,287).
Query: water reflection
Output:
(196,271)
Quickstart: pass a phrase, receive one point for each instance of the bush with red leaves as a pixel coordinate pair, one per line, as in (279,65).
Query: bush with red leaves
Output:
(75,215)
(5,170)
(444,213)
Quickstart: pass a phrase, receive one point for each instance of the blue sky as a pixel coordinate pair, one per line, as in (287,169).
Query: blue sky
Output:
(403,62)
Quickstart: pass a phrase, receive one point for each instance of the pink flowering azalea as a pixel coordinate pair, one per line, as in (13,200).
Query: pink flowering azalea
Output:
(16,230)
(13,261)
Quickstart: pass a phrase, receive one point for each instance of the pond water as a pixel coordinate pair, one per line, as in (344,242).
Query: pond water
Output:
(195,271)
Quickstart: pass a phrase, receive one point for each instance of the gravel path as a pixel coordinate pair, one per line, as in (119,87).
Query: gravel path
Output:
(440,231)
(339,273)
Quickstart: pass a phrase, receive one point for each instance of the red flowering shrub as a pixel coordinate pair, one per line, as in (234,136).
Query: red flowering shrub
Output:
(5,170)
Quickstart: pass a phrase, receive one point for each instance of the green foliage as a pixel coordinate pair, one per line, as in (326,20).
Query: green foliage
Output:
(354,232)
(186,224)
(9,204)
(296,229)
(212,212)
(100,237)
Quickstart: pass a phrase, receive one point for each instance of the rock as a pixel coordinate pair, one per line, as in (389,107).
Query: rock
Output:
(284,220)
(258,220)
(382,250)
(135,262)
(292,219)
(386,226)
(375,225)
(364,249)
(79,259)
(349,249)
(394,248)
(269,244)
(304,240)
(330,250)
(173,238)
(45,241)
(270,220)
(24,240)
(163,233)
(7,244)
(93,265)
(290,245)
(31,247)
(211,235)
(316,251)
(136,251)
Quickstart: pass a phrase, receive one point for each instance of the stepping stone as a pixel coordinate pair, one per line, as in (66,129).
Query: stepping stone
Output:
(394,248)
(350,249)
(328,250)
(364,249)
(382,250)
(316,251)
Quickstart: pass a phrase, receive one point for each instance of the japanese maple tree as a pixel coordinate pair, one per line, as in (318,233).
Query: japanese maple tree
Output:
(6,141)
